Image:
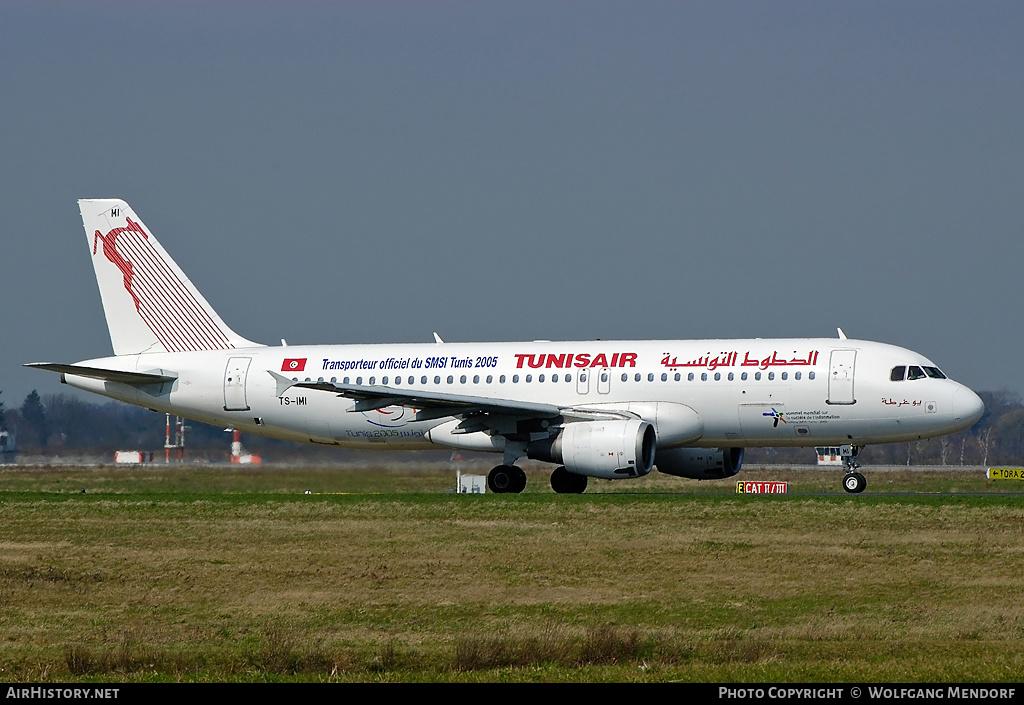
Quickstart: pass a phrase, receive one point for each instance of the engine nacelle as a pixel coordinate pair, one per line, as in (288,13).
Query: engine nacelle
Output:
(700,463)
(605,449)
(447,434)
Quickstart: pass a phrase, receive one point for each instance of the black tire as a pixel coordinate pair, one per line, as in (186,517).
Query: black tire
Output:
(565,482)
(502,479)
(518,479)
(854,483)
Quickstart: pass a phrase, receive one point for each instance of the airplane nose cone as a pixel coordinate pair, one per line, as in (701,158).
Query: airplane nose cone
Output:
(967,407)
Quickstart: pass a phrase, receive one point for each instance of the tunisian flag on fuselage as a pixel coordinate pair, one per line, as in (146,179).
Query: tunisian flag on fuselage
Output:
(293,364)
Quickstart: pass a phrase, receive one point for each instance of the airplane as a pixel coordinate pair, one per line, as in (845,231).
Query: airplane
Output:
(610,409)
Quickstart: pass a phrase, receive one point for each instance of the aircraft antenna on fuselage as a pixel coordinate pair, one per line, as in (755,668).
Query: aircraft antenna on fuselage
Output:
(842,335)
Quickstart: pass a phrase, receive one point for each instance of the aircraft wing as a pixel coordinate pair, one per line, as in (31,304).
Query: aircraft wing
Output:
(133,378)
(429,404)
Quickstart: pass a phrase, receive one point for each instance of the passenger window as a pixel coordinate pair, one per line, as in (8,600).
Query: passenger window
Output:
(540,378)
(689,377)
(636,377)
(810,375)
(462,379)
(624,377)
(743,376)
(771,376)
(664,377)
(757,376)
(678,376)
(897,373)
(785,375)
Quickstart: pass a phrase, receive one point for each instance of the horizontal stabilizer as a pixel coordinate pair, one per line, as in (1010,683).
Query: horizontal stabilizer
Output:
(133,378)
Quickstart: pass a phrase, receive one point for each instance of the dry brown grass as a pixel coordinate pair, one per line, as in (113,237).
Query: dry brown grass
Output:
(255,586)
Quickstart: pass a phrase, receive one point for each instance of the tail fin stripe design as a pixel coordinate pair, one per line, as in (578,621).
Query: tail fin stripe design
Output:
(128,271)
(149,302)
(146,293)
(164,283)
(166,299)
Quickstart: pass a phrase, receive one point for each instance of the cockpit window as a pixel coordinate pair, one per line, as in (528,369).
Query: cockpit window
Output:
(914,372)
(897,373)
(934,372)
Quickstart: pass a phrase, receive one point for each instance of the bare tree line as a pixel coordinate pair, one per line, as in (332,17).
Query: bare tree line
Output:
(62,423)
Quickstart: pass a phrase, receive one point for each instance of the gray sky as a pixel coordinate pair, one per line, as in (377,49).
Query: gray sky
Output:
(372,172)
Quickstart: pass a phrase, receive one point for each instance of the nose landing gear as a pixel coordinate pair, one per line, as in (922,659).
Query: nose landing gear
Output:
(853,482)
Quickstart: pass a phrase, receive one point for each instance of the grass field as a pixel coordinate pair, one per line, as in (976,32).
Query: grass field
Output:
(229,574)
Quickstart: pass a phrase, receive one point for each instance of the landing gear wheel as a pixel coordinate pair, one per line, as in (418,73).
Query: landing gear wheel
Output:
(565,482)
(503,479)
(518,479)
(854,483)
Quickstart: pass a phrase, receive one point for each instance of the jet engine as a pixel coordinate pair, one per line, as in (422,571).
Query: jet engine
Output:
(605,449)
(700,463)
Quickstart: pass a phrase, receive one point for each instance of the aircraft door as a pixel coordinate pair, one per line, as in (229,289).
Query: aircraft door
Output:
(235,374)
(840,377)
(604,381)
(583,381)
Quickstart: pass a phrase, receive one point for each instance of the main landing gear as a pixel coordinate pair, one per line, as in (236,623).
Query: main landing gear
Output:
(506,478)
(853,482)
(565,482)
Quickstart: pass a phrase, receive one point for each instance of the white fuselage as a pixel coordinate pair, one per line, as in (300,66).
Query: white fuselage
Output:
(757,392)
